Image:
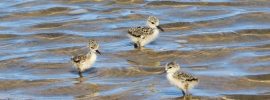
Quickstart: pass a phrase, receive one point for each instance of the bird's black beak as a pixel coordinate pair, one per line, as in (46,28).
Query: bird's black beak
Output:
(160,28)
(98,52)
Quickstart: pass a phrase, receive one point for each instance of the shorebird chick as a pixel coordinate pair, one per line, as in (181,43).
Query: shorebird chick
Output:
(180,79)
(141,36)
(83,62)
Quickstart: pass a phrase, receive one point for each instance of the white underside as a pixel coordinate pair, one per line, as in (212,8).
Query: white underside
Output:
(146,40)
(179,83)
(88,62)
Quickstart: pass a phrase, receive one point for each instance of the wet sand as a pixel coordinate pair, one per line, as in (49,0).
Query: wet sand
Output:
(226,43)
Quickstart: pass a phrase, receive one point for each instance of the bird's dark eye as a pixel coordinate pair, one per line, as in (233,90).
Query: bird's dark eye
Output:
(152,22)
(170,67)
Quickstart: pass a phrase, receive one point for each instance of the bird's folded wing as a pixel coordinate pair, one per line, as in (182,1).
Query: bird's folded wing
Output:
(139,31)
(184,76)
(79,58)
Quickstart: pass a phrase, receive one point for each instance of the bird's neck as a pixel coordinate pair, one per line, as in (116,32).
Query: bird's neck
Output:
(156,30)
(153,27)
(91,52)
(171,71)
(170,74)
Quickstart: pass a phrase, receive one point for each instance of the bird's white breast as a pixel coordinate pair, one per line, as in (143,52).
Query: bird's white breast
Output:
(150,38)
(133,39)
(174,81)
(91,58)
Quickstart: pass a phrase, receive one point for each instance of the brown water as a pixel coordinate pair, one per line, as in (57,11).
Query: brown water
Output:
(226,43)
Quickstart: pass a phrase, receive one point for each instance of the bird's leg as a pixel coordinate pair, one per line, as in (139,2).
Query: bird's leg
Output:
(183,92)
(80,72)
(186,89)
(139,44)
(135,45)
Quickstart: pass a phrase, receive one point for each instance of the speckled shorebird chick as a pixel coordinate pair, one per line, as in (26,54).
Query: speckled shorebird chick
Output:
(144,35)
(83,62)
(180,79)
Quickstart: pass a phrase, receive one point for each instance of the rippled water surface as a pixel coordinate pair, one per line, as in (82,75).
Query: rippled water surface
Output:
(225,43)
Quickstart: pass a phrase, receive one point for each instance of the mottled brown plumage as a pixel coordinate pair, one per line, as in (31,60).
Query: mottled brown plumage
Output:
(84,62)
(180,79)
(141,36)
(184,76)
(140,31)
(79,58)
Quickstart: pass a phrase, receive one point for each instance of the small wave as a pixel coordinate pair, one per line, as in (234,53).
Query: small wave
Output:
(175,3)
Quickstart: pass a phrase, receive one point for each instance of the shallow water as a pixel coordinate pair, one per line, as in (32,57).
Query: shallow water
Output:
(226,43)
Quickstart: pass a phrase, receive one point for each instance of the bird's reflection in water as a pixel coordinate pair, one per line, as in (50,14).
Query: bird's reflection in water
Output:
(88,96)
(187,97)
(80,80)
(144,49)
